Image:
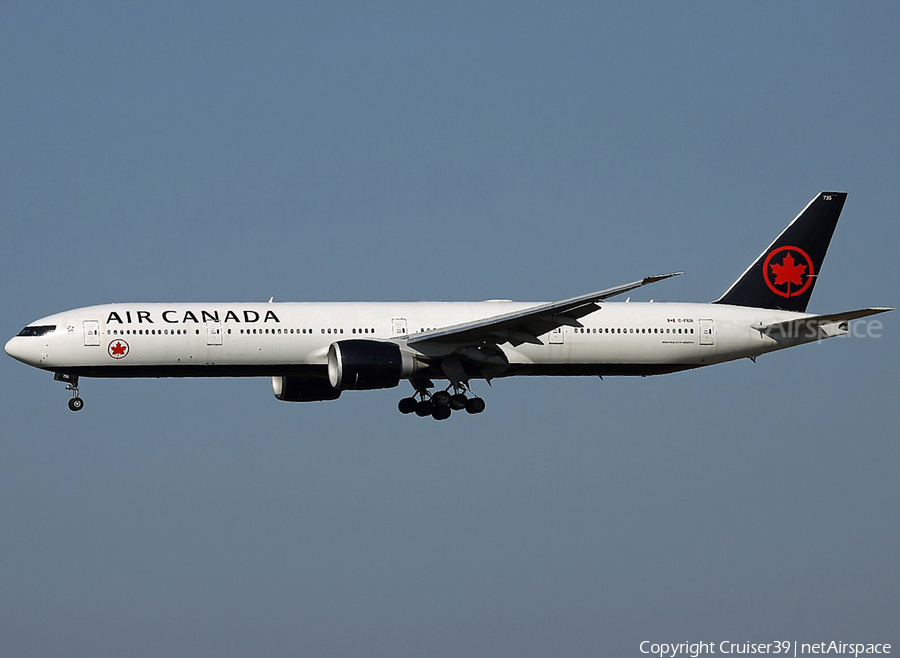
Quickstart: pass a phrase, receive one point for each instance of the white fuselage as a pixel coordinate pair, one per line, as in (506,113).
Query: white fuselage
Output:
(275,339)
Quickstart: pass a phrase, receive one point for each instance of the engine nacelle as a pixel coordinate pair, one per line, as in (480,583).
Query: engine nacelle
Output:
(303,389)
(359,365)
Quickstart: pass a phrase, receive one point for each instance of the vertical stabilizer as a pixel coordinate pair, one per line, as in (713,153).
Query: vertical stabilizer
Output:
(784,275)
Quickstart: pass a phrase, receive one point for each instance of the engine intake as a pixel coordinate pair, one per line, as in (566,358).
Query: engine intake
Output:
(303,389)
(359,365)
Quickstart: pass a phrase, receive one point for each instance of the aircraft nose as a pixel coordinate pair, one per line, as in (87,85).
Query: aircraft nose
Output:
(13,348)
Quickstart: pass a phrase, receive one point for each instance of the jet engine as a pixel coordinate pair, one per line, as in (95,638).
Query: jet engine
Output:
(358,365)
(303,389)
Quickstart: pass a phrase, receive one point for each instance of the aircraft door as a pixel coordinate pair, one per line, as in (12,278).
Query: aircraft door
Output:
(213,333)
(707,332)
(556,336)
(398,327)
(91,333)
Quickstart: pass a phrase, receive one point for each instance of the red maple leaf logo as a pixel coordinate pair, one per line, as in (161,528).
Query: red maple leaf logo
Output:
(789,271)
(793,278)
(117,350)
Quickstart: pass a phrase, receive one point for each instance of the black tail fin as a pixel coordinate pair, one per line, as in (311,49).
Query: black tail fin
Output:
(784,275)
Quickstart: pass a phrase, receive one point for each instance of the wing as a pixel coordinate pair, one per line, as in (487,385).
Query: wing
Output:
(526,325)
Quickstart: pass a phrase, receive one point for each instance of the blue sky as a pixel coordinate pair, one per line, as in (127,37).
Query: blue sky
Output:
(406,151)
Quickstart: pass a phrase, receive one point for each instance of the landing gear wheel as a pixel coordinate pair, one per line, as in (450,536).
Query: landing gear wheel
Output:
(424,408)
(475,406)
(441,412)
(458,402)
(441,398)
(76,404)
(407,405)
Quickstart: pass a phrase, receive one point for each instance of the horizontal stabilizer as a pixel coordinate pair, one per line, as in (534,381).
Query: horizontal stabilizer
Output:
(794,327)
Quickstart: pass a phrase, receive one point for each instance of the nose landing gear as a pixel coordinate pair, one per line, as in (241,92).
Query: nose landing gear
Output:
(75,403)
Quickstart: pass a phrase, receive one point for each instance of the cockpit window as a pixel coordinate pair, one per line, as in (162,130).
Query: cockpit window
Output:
(37,330)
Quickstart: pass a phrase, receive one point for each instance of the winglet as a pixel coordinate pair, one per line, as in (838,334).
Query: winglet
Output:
(659,277)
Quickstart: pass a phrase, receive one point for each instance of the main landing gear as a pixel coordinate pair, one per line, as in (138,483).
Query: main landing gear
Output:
(440,404)
(75,402)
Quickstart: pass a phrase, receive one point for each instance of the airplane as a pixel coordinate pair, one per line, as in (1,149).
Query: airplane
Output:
(316,351)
